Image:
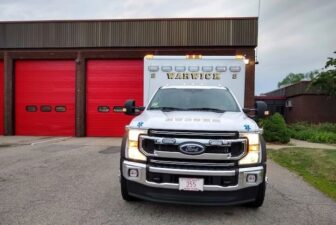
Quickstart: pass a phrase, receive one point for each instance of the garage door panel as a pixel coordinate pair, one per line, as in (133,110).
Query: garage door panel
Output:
(110,83)
(49,83)
(1,97)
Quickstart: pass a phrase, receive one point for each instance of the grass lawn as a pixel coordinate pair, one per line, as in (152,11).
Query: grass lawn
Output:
(317,133)
(316,166)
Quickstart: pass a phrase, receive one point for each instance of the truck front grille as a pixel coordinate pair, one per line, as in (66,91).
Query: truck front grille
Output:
(235,149)
(216,145)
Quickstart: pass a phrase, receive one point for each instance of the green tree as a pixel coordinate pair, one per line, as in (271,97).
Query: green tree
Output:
(311,75)
(291,78)
(326,79)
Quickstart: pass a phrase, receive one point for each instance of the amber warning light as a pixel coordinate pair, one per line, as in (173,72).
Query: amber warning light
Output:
(194,56)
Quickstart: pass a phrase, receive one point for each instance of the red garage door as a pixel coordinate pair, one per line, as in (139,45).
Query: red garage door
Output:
(1,97)
(45,97)
(110,83)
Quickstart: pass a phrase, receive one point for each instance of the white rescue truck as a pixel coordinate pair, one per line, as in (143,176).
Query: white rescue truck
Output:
(193,143)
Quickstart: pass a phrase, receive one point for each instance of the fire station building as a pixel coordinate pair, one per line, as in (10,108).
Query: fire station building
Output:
(62,78)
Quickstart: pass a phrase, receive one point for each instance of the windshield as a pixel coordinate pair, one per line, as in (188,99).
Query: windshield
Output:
(216,100)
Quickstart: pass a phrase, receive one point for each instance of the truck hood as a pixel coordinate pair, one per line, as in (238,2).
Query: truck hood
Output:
(194,120)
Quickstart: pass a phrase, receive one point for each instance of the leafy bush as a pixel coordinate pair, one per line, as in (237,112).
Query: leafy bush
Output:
(327,127)
(320,133)
(275,129)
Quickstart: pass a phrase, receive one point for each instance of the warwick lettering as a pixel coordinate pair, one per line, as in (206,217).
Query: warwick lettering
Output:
(194,76)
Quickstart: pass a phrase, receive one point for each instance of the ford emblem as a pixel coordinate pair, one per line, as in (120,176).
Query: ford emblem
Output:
(192,148)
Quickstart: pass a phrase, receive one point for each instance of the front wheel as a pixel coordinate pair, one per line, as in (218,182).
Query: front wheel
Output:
(260,196)
(124,190)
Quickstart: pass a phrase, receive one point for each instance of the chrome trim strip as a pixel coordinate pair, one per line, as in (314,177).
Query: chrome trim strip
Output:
(250,169)
(192,172)
(243,172)
(190,163)
(204,156)
(189,133)
(134,165)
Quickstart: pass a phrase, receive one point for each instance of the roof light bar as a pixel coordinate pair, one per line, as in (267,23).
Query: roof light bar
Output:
(149,56)
(193,56)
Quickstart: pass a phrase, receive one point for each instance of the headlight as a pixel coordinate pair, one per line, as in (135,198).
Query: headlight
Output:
(253,152)
(132,151)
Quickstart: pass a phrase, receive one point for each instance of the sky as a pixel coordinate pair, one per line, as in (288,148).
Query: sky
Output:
(294,36)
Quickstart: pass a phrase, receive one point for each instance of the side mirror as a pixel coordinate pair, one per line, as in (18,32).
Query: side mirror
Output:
(261,109)
(129,108)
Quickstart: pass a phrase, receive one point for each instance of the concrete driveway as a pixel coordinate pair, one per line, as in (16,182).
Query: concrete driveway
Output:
(75,181)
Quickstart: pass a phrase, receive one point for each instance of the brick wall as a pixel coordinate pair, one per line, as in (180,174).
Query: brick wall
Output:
(312,108)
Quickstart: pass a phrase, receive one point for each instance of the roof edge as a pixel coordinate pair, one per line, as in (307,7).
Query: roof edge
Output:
(129,19)
(286,87)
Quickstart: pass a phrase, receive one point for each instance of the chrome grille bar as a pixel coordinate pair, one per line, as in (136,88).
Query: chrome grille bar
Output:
(190,133)
(193,171)
(164,162)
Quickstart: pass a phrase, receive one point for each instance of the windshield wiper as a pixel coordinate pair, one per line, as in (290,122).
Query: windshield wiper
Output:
(207,109)
(166,109)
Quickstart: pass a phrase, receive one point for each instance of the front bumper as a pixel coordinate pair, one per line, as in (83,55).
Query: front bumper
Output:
(211,198)
(242,192)
(242,173)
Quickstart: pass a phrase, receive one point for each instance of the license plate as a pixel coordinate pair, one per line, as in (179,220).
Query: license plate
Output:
(191,184)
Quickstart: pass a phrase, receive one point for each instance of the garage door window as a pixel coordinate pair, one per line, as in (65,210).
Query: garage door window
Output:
(31,108)
(46,108)
(60,108)
(103,109)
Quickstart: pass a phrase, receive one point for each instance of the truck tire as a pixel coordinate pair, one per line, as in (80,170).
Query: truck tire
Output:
(124,191)
(260,197)
(123,184)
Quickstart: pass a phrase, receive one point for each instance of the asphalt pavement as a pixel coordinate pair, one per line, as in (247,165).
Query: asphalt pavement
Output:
(75,181)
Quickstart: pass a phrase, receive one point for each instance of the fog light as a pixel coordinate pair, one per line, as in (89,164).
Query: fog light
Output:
(133,173)
(251,178)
